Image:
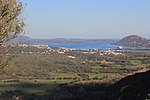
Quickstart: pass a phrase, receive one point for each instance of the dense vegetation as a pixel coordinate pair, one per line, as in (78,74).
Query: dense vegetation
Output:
(48,74)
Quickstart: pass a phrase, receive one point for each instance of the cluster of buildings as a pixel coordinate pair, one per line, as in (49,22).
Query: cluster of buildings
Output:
(33,45)
(65,50)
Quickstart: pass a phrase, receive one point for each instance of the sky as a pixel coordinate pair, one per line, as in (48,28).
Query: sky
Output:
(86,18)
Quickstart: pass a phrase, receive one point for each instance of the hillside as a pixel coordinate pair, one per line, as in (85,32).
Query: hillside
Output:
(134,41)
(27,40)
(21,39)
(134,87)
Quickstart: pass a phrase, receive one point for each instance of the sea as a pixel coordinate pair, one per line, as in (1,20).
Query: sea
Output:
(86,45)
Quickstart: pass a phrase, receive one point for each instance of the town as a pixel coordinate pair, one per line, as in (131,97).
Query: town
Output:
(63,50)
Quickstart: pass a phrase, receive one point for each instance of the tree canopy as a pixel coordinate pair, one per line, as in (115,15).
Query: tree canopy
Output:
(11,22)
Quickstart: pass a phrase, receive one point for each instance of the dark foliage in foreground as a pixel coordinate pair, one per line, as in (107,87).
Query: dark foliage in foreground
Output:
(134,87)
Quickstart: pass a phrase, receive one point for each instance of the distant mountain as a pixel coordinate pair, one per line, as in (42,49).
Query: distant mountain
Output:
(134,41)
(21,39)
(27,40)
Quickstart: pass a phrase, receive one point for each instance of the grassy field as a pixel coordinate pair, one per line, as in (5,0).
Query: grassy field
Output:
(39,89)
(92,75)
(36,86)
(31,86)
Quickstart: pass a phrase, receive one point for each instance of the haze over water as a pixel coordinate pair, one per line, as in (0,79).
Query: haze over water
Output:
(89,45)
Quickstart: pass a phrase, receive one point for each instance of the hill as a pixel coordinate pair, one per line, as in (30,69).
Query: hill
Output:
(27,40)
(134,41)
(134,87)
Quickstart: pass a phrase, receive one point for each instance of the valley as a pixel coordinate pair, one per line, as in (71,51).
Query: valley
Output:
(50,71)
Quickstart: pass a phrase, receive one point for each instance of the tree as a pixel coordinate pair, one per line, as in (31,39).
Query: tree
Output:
(11,24)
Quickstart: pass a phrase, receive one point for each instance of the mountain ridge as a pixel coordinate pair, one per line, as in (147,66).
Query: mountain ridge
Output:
(28,40)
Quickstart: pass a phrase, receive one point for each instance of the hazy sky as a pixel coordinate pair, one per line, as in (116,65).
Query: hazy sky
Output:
(87,18)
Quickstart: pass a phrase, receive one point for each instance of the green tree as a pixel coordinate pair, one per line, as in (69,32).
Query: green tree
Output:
(11,24)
